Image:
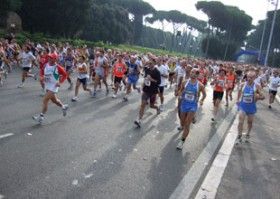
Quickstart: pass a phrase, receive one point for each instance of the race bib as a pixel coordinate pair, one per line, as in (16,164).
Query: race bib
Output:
(130,70)
(248,99)
(47,78)
(119,69)
(189,96)
(147,82)
(68,63)
(221,83)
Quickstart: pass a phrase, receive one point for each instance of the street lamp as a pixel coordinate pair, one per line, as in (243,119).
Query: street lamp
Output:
(271,33)
(263,33)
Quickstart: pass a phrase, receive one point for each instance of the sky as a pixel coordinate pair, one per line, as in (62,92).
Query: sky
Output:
(255,8)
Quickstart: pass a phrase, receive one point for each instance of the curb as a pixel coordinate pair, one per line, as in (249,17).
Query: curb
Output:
(192,181)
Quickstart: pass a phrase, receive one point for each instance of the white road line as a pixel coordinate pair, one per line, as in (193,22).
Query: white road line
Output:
(4,136)
(213,179)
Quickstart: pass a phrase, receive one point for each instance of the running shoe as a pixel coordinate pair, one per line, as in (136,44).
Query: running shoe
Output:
(180,145)
(21,85)
(180,128)
(114,96)
(137,123)
(238,140)
(125,99)
(161,107)
(74,99)
(40,118)
(247,138)
(64,109)
(93,94)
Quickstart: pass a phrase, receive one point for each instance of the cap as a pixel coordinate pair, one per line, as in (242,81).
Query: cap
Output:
(52,56)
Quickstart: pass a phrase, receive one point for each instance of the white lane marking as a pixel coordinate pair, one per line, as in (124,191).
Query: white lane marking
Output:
(213,179)
(75,182)
(4,136)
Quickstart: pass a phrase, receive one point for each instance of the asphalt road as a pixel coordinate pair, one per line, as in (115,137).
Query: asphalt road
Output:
(95,151)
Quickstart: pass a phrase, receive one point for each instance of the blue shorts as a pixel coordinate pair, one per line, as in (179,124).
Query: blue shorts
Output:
(247,110)
(186,109)
(132,80)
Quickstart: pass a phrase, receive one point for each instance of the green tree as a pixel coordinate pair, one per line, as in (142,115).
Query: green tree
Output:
(229,24)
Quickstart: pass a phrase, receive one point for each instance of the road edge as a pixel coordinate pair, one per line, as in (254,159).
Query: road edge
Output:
(191,182)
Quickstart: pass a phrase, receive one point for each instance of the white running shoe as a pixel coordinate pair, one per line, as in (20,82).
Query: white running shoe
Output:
(114,96)
(74,99)
(21,85)
(38,118)
(161,107)
(180,145)
(64,109)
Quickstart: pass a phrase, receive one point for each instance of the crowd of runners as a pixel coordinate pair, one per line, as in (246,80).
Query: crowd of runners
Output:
(148,74)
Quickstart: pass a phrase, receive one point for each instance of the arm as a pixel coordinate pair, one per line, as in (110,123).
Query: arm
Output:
(62,73)
(202,90)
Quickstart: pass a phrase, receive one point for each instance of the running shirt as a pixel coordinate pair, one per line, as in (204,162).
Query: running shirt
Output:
(119,69)
(230,80)
(202,76)
(43,60)
(220,84)
(82,71)
(274,83)
(99,65)
(164,70)
(248,103)
(150,86)
(53,75)
(69,61)
(27,59)
(190,97)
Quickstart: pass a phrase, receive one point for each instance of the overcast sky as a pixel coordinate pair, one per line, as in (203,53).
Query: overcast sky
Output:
(255,8)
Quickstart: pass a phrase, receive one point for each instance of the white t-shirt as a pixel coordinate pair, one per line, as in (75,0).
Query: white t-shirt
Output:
(260,79)
(26,59)
(163,69)
(274,83)
(181,72)
(81,75)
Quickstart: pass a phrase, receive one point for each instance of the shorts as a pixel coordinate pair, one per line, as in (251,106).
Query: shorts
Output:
(69,69)
(149,96)
(118,80)
(272,92)
(83,81)
(132,80)
(26,69)
(186,109)
(161,89)
(218,95)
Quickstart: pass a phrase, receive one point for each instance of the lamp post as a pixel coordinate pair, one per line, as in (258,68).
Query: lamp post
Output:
(263,33)
(271,33)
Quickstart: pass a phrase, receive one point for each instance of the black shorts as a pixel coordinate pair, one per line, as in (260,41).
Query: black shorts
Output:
(118,80)
(26,69)
(83,81)
(272,92)
(161,89)
(218,95)
(149,96)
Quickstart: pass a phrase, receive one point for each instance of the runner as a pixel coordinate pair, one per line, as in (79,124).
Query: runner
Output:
(100,63)
(27,60)
(69,66)
(230,83)
(43,60)
(83,77)
(219,86)
(274,83)
(132,77)
(54,76)
(118,71)
(164,73)
(203,73)
(248,94)
(189,94)
(150,90)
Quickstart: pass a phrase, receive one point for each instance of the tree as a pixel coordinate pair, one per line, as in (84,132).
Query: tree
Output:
(6,6)
(229,24)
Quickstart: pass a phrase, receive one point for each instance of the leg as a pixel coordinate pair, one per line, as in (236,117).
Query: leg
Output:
(187,123)
(78,83)
(250,123)
(241,123)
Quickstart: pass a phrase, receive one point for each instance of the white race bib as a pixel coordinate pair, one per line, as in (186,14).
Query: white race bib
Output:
(147,82)
(248,99)
(189,96)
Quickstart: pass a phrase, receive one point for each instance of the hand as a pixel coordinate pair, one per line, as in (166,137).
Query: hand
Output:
(201,102)
(57,85)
